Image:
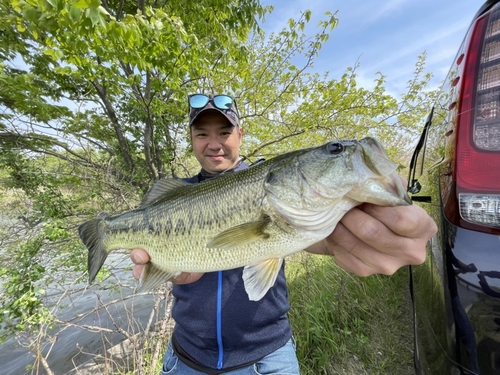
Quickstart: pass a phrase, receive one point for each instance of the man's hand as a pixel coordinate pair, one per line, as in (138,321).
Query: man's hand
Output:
(140,257)
(373,239)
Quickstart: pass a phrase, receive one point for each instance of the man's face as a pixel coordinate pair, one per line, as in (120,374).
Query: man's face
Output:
(216,142)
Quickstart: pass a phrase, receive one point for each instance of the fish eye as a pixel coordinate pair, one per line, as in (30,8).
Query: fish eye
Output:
(335,148)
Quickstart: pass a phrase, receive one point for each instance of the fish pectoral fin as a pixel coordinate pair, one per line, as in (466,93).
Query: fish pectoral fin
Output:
(240,235)
(153,276)
(160,188)
(258,278)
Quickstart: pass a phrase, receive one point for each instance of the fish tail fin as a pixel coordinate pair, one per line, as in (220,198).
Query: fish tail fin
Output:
(92,235)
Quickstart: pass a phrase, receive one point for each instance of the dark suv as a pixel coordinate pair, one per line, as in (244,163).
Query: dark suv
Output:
(455,175)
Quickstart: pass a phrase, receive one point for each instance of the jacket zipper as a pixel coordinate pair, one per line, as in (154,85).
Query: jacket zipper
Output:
(219,321)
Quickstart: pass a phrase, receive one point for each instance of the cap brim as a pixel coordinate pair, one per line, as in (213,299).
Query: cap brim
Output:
(229,114)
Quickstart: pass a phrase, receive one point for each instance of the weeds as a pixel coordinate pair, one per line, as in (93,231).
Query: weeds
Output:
(344,324)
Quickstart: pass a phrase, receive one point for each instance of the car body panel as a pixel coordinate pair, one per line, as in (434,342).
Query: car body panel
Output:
(456,292)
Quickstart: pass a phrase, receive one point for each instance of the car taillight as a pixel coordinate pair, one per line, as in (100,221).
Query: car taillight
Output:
(477,169)
(480,209)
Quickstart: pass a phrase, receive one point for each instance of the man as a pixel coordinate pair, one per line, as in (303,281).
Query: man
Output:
(218,330)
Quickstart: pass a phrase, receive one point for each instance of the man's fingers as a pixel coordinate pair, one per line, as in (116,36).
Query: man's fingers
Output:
(362,228)
(373,239)
(354,265)
(388,228)
(139,256)
(137,271)
(409,221)
(366,258)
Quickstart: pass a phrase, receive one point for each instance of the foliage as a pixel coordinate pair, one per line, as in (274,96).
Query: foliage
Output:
(93,110)
(21,307)
(38,244)
(116,75)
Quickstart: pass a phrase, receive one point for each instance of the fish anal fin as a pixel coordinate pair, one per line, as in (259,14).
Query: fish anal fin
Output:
(153,276)
(240,235)
(259,277)
(160,188)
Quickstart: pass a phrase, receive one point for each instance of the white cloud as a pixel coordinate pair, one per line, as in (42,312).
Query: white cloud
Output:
(377,12)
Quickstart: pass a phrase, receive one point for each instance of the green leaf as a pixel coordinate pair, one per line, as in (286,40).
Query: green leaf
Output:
(75,13)
(94,16)
(53,4)
(82,4)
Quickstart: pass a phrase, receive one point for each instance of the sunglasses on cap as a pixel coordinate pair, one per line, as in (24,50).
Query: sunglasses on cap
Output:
(224,104)
(198,101)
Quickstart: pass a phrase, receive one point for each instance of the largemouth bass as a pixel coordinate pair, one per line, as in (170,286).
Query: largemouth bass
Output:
(252,218)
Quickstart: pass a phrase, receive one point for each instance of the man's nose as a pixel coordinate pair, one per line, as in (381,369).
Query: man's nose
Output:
(214,143)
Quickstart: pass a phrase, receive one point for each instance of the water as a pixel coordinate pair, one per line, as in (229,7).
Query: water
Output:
(88,310)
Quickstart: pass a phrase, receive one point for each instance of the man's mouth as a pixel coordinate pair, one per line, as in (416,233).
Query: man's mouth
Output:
(215,157)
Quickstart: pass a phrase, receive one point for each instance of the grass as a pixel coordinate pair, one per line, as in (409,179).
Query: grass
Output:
(344,324)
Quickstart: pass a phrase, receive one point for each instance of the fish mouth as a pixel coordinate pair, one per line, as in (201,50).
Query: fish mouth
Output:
(382,190)
(383,185)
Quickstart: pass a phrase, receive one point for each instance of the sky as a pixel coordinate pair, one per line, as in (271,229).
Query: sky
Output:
(384,36)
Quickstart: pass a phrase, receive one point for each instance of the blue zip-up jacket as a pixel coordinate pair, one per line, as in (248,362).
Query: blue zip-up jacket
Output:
(219,328)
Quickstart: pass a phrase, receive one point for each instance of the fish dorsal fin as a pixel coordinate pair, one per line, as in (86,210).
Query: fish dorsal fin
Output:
(153,276)
(160,188)
(258,278)
(240,235)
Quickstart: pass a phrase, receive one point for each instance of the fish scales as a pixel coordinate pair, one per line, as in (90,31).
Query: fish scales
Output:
(230,207)
(253,218)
